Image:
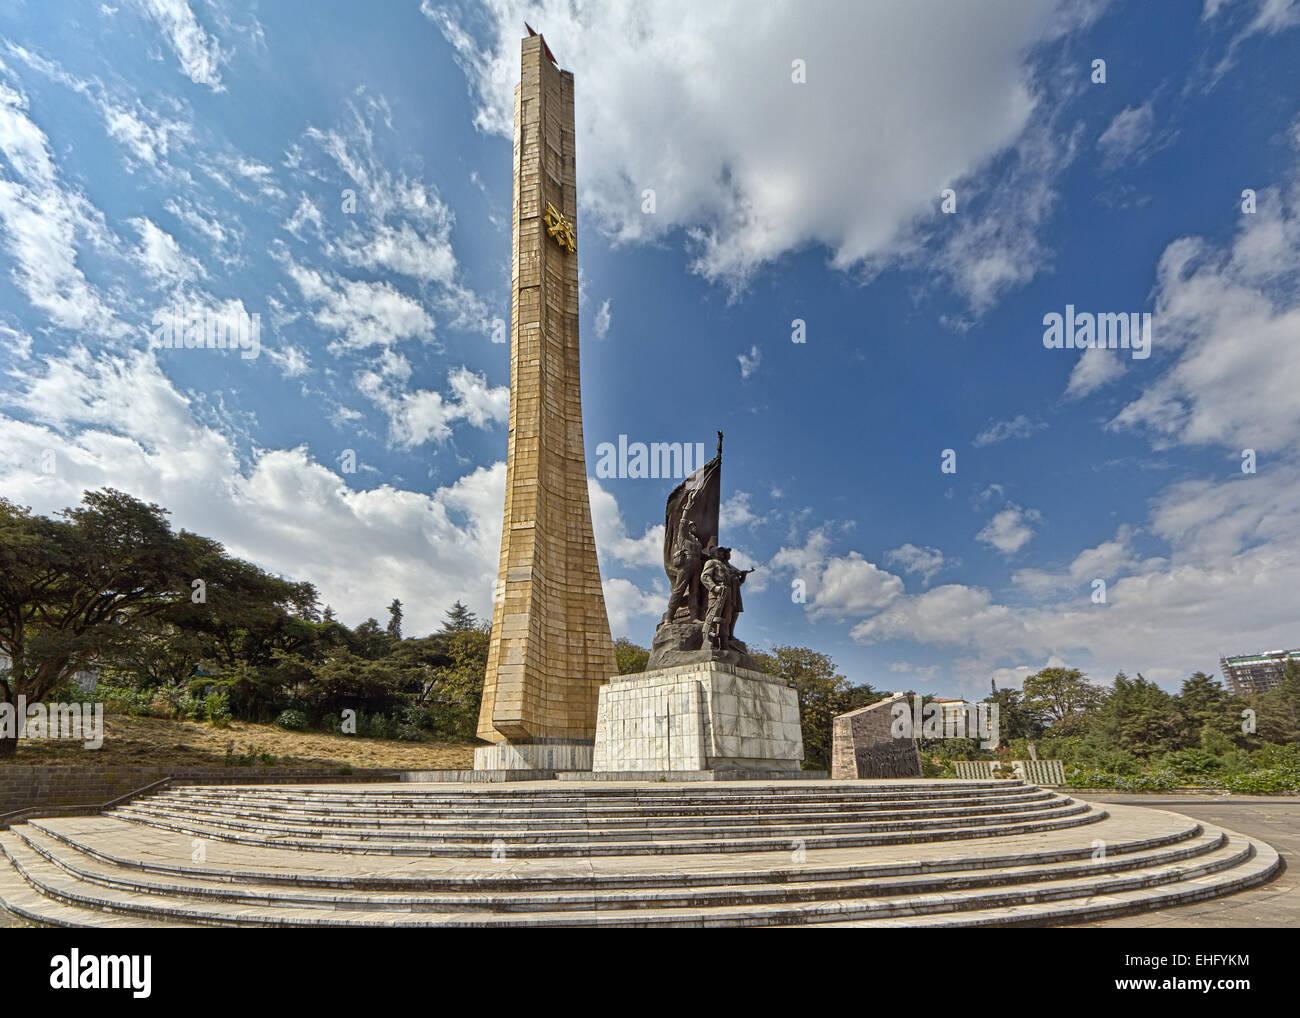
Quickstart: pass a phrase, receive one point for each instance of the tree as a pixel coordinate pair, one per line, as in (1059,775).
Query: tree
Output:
(1063,697)
(1139,717)
(459,619)
(1208,712)
(395,619)
(369,641)
(1016,719)
(823,693)
(78,581)
(1277,709)
(629,657)
(27,577)
(458,685)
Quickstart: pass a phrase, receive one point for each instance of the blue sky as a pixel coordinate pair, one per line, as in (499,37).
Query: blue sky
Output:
(156,153)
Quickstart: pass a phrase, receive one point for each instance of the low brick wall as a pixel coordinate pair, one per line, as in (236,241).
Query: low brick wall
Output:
(25,786)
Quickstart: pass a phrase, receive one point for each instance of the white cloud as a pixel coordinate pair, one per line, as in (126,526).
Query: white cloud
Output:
(736,513)
(836,586)
(1271,17)
(44,222)
(1094,369)
(749,361)
(291,360)
(1128,131)
(612,539)
(1010,529)
(360,313)
(999,431)
(1107,561)
(625,601)
(305,215)
(424,415)
(602,320)
(200,56)
(161,258)
(913,559)
(1225,585)
(755,166)
(285,511)
(1227,322)
(853,586)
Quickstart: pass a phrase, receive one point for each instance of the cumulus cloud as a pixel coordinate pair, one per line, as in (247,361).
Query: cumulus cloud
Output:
(1229,320)
(836,586)
(624,602)
(749,361)
(1010,529)
(912,559)
(285,510)
(1233,559)
(612,539)
(1094,369)
(736,513)
(424,415)
(756,165)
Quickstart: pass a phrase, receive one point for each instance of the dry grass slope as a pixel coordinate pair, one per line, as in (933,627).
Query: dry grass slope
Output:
(157,742)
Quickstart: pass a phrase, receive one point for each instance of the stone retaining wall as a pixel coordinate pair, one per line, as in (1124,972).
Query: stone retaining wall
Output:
(25,786)
(863,746)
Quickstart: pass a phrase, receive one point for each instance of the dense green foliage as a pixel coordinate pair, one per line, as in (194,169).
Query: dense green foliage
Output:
(175,626)
(1135,736)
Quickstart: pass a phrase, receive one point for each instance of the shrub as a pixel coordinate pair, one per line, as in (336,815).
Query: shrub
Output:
(1285,778)
(292,720)
(190,708)
(1192,762)
(1160,781)
(217,708)
(1077,778)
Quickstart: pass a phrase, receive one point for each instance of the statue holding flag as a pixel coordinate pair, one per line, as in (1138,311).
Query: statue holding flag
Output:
(699,624)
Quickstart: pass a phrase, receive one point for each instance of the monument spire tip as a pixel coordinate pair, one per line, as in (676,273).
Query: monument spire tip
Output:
(549,55)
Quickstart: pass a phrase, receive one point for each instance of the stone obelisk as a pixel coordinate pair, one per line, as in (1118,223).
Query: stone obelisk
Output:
(551,648)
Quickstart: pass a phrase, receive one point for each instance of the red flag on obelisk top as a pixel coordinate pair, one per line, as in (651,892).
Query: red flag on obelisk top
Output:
(549,55)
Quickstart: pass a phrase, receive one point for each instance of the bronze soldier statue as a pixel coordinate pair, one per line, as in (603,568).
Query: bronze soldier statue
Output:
(723,581)
(688,560)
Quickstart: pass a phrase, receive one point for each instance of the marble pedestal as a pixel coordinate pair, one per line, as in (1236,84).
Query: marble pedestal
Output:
(533,756)
(698,717)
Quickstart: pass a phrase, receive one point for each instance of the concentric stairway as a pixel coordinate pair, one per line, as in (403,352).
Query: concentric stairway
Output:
(862,853)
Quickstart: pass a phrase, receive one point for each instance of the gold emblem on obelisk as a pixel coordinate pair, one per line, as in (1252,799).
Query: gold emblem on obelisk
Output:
(560,228)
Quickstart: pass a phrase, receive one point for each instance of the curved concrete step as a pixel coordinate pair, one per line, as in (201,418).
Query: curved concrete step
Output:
(401,825)
(595,842)
(772,855)
(116,842)
(1263,863)
(416,810)
(1196,877)
(758,887)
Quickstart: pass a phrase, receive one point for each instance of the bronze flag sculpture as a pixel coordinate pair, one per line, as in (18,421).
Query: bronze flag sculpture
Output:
(700,621)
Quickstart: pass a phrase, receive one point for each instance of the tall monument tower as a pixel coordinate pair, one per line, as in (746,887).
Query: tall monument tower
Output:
(551,648)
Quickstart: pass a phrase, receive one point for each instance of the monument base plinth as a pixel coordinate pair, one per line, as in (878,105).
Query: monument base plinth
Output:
(534,756)
(710,716)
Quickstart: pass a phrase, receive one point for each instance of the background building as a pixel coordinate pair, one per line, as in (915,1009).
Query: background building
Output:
(1254,673)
